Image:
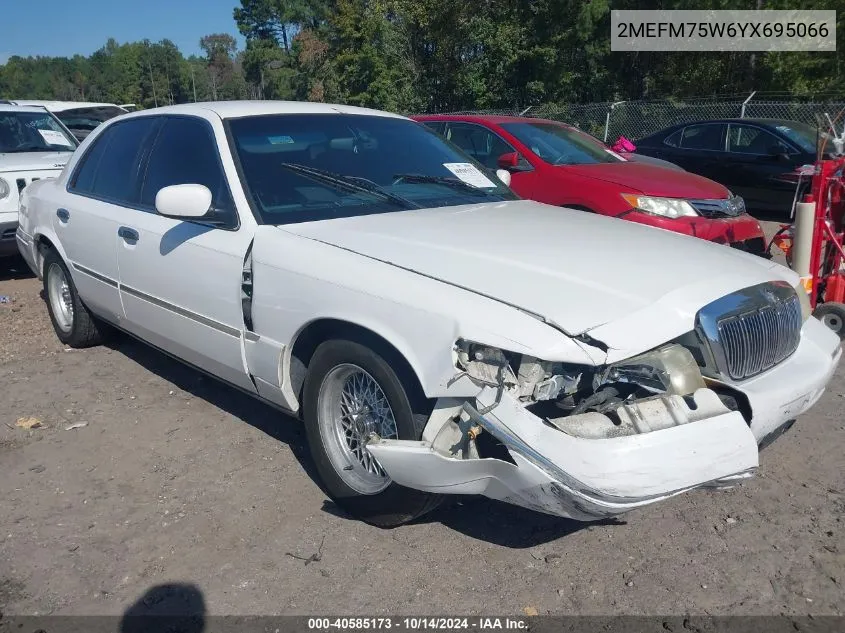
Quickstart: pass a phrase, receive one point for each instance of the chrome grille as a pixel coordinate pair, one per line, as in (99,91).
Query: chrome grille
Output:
(756,341)
(752,330)
(725,208)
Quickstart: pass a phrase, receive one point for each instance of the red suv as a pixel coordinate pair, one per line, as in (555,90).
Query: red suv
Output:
(561,165)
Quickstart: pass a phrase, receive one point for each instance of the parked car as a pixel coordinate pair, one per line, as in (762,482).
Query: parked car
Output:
(436,334)
(755,158)
(80,117)
(33,145)
(562,166)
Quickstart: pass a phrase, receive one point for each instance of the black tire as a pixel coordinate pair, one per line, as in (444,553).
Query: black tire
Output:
(85,330)
(395,505)
(833,316)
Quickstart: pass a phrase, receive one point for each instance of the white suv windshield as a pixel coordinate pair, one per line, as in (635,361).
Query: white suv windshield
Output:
(33,132)
(301,167)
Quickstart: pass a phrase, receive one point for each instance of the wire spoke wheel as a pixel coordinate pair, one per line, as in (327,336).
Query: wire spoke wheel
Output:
(352,407)
(59,295)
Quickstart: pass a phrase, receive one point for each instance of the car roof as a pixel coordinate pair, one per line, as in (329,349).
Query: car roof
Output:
(20,108)
(757,121)
(237,109)
(60,106)
(496,119)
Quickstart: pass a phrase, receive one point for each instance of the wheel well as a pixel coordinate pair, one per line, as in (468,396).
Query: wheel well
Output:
(322,330)
(44,244)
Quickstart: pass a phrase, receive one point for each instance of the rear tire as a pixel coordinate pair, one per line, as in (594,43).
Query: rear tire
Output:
(73,322)
(833,316)
(350,391)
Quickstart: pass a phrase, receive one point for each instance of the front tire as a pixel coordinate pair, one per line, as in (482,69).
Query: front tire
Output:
(73,323)
(351,392)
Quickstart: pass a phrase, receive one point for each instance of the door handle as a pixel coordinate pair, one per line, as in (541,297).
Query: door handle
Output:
(128,235)
(63,214)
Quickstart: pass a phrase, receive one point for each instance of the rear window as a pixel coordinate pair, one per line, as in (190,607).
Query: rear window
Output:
(709,137)
(87,119)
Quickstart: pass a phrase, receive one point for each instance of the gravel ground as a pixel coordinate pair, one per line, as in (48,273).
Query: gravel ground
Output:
(177,479)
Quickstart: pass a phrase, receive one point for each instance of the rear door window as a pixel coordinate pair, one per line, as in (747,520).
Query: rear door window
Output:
(110,168)
(674,139)
(710,136)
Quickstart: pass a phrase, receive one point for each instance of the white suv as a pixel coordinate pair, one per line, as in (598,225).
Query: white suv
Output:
(33,145)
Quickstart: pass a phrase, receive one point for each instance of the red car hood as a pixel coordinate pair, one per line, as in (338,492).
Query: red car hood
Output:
(652,180)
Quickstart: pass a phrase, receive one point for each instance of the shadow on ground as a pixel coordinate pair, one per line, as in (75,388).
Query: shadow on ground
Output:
(477,517)
(170,607)
(12,268)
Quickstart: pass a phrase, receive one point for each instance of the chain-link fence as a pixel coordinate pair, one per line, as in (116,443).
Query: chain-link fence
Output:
(636,119)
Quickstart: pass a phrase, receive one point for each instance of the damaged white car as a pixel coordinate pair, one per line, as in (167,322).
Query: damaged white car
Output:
(436,334)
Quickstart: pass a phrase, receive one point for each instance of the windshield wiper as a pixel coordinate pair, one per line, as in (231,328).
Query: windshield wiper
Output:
(352,184)
(454,183)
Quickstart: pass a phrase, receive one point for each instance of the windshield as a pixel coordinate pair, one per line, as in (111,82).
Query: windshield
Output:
(304,167)
(88,118)
(560,145)
(803,135)
(33,132)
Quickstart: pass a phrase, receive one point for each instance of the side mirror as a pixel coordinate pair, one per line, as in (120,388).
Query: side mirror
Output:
(778,152)
(505,176)
(184,202)
(509,161)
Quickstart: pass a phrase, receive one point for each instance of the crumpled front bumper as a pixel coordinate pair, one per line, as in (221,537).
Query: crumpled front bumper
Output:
(585,479)
(588,479)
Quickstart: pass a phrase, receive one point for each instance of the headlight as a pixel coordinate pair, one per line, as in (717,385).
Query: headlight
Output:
(666,207)
(804,300)
(4,189)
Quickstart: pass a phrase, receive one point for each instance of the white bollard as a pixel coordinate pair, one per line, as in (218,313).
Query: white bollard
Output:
(802,239)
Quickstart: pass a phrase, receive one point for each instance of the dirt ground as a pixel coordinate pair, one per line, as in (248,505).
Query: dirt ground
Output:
(177,479)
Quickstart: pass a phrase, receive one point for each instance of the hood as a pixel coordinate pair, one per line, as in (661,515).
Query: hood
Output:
(33,161)
(651,180)
(576,270)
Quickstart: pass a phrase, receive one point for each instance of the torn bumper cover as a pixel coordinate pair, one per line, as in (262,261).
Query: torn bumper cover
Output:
(586,479)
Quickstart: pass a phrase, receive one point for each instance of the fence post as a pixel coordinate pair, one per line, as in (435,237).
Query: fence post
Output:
(607,118)
(745,103)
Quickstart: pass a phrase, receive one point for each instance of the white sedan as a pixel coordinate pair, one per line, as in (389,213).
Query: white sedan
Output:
(436,334)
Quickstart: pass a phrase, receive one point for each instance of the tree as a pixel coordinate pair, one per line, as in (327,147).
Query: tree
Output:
(279,20)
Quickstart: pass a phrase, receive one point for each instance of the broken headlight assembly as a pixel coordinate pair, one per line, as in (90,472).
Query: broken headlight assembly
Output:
(527,378)
(647,392)
(670,369)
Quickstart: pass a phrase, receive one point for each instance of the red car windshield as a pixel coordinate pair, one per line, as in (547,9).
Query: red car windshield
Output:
(559,145)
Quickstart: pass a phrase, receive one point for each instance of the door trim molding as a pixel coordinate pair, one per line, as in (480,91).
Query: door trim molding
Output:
(97,276)
(220,327)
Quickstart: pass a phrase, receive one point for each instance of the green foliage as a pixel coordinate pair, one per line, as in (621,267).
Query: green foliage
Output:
(426,55)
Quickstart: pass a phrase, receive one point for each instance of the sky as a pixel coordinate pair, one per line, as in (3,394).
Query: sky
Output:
(63,28)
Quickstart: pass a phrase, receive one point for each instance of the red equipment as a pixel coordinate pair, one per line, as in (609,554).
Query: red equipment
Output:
(826,284)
